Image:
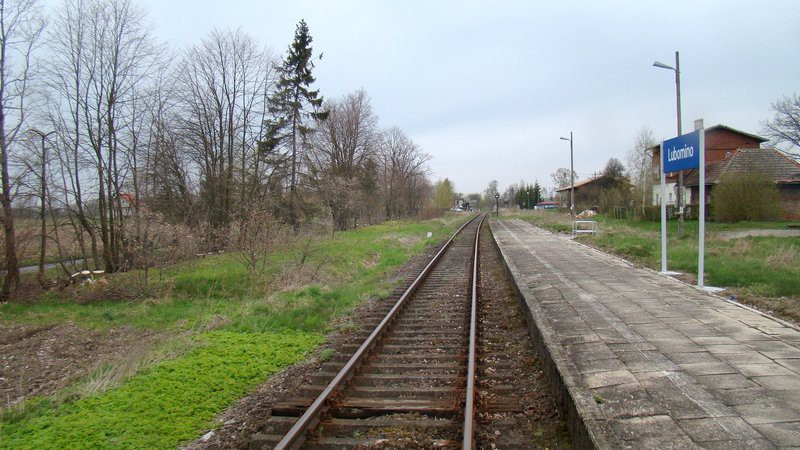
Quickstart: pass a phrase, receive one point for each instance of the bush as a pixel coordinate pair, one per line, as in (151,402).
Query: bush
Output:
(745,196)
(613,197)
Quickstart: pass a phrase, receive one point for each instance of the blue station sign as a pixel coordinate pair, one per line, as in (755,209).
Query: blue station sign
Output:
(682,152)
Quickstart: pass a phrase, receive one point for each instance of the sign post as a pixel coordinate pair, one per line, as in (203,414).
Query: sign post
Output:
(686,151)
(701,243)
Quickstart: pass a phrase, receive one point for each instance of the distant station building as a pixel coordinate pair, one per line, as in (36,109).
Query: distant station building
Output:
(589,191)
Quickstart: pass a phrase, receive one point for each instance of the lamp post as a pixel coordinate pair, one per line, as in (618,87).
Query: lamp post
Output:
(497,204)
(571,177)
(679,199)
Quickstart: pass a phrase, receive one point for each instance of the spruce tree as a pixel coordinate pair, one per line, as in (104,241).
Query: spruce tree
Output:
(536,196)
(294,107)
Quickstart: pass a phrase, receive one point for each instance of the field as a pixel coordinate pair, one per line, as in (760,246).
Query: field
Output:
(113,370)
(762,271)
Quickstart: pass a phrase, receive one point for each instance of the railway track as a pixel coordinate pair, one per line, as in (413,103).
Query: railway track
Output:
(412,379)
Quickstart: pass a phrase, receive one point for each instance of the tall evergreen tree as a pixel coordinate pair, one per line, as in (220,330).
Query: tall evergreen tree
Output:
(536,195)
(294,107)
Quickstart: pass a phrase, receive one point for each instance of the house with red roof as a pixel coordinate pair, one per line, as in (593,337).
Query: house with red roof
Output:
(721,142)
(776,165)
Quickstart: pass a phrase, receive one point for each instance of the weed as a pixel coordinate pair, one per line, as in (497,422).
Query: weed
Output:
(326,354)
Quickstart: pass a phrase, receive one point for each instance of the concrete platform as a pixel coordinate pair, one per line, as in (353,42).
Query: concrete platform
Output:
(645,361)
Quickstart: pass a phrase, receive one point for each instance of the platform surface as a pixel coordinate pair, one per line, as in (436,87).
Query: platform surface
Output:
(647,361)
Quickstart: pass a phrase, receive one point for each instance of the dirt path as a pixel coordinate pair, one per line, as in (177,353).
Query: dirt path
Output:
(756,233)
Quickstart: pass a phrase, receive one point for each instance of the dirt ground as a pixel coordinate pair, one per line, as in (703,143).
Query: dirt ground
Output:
(40,360)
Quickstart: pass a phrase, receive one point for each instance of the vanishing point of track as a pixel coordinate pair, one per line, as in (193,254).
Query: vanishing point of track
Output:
(415,369)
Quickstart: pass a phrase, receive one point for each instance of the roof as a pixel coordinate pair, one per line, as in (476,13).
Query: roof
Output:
(592,180)
(577,184)
(130,198)
(760,139)
(745,160)
(734,130)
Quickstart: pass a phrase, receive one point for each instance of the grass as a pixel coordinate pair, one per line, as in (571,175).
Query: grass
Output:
(258,325)
(354,265)
(163,405)
(764,271)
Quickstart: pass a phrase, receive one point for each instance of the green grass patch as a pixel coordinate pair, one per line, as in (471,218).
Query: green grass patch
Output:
(260,324)
(164,405)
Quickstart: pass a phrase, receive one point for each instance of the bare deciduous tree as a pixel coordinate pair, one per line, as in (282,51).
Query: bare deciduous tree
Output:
(403,174)
(105,57)
(21,25)
(785,127)
(143,148)
(561,177)
(224,84)
(639,160)
(338,154)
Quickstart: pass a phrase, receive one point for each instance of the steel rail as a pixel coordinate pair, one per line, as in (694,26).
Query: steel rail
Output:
(295,437)
(469,408)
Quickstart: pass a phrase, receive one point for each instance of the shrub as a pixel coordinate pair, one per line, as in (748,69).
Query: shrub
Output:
(745,196)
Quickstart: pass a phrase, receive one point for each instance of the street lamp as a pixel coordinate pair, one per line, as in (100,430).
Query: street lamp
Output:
(571,177)
(677,70)
(497,204)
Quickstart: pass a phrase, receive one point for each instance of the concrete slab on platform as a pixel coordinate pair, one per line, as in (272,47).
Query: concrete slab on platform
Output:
(645,361)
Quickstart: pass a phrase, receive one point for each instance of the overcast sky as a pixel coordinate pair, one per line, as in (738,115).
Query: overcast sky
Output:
(487,88)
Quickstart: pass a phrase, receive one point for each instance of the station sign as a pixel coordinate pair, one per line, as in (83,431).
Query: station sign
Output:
(686,152)
(681,153)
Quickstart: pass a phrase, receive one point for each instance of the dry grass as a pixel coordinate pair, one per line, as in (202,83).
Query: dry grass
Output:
(783,256)
(405,241)
(143,354)
(740,247)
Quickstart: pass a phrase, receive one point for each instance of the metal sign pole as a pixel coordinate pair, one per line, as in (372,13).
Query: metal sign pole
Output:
(679,153)
(701,245)
(663,212)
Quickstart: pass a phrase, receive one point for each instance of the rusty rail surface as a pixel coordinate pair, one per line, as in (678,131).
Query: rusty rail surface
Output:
(311,417)
(469,408)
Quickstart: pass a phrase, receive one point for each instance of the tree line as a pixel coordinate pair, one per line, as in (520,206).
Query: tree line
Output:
(122,148)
